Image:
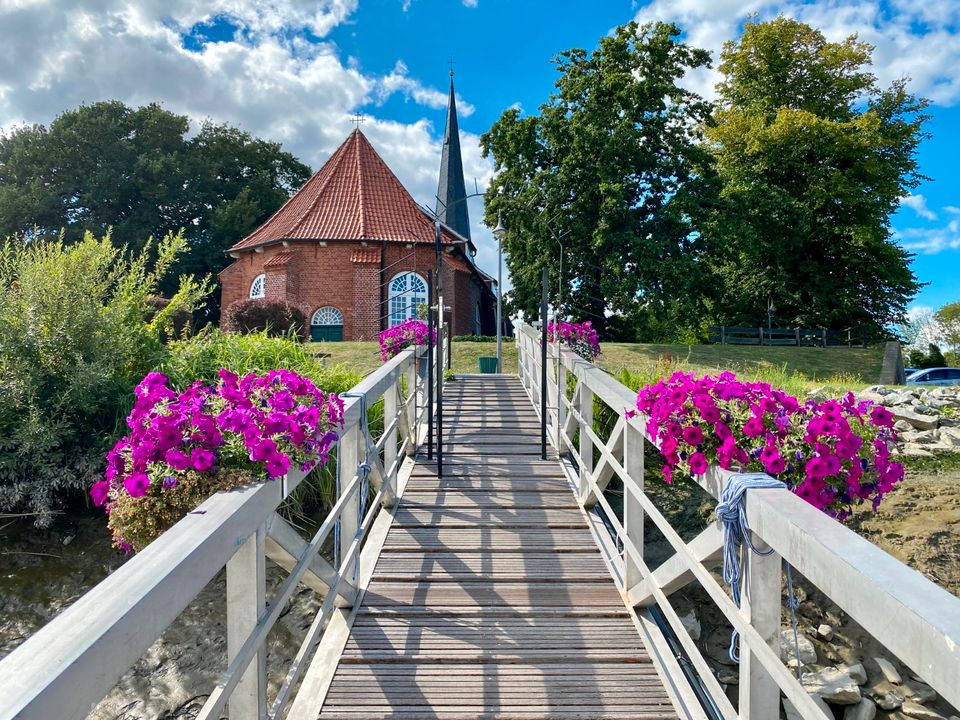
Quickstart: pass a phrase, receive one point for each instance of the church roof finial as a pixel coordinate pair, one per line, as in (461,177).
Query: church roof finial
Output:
(451,191)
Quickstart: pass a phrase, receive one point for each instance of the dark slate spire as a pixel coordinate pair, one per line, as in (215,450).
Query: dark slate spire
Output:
(452,193)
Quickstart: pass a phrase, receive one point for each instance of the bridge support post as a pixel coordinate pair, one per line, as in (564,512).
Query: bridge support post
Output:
(246,597)
(632,510)
(348,462)
(586,444)
(761,605)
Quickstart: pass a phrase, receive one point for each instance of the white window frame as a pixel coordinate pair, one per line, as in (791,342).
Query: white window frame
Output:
(258,288)
(406,291)
(329,312)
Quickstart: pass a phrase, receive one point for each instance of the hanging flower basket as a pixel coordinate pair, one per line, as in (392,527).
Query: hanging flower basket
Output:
(406,334)
(579,337)
(833,454)
(183,447)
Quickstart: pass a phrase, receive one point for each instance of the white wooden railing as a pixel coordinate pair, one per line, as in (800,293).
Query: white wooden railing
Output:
(916,620)
(66,668)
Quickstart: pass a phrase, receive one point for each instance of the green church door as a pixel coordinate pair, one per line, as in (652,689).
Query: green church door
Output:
(326,325)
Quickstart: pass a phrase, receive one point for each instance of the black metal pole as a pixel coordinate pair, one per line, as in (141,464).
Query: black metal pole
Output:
(543,366)
(430,332)
(440,392)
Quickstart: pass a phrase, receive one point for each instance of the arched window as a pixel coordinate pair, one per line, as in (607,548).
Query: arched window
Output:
(326,324)
(407,290)
(258,288)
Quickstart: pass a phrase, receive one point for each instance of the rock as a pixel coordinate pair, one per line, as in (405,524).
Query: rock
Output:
(864,710)
(919,437)
(857,673)
(691,624)
(886,696)
(874,397)
(825,631)
(916,710)
(902,426)
(788,651)
(919,692)
(793,714)
(917,420)
(833,686)
(888,670)
(880,390)
(911,450)
(949,436)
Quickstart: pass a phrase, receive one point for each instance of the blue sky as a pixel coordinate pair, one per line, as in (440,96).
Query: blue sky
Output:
(295,71)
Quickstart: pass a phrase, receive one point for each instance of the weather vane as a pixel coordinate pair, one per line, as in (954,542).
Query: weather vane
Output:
(451,61)
(357,119)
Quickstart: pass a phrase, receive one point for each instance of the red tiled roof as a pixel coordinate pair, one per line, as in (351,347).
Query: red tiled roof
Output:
(354,196)
(280,259)
(367,256)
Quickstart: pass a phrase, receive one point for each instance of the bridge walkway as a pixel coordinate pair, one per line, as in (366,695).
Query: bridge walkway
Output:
(490,598)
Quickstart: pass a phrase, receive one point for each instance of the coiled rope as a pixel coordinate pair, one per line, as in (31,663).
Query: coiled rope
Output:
(732,514)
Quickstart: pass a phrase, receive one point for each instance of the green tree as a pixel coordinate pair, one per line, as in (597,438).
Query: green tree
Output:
(610,170)
(814,159)
(948,317)
(135,173)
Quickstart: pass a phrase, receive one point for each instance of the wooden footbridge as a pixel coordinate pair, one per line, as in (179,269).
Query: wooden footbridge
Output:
(498,582)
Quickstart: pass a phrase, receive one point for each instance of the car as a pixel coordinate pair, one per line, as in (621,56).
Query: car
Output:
(935,376)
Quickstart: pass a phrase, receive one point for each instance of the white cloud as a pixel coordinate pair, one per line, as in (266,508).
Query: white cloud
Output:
(931,241)
(916,40)
(268,78)
(399,81)
(918,203)
(470,3)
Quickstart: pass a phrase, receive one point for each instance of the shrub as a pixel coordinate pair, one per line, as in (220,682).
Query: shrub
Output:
(474,338)
(271,315)
(181,320)
(202,356)
(76,334)
(933,357)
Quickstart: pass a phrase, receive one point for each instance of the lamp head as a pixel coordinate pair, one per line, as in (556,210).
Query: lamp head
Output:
(499,231)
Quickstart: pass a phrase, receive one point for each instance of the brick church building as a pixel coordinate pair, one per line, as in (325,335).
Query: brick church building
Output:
(354,248)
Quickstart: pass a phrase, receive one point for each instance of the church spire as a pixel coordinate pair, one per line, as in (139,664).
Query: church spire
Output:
(451,192)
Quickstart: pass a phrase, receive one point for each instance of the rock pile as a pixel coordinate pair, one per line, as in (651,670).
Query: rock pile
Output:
(927,419)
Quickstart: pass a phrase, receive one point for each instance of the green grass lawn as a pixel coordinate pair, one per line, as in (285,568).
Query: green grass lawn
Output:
(793,368)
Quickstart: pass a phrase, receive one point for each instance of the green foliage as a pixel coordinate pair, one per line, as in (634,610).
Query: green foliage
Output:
(137,171)
(77,332)
(930,359)
(814,159)
(271,315)
(474,338)
(202,356)
(604,181)
(948,317)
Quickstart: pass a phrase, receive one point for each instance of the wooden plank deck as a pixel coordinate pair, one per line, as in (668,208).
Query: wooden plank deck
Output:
(490,598)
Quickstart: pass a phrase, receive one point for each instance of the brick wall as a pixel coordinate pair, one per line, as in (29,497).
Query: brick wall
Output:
(325,276)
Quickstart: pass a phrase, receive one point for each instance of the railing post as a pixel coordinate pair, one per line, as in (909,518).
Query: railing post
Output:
(632,509)
(561,407)
(246,597)
(760,605)
(586,444)
(413,409)
(391,401)
(348,461)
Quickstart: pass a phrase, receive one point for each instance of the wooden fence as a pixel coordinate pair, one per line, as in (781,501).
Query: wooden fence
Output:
(67,667)
(916,620)
(801,337)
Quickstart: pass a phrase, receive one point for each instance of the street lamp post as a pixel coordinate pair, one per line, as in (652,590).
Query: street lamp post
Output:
(498,232)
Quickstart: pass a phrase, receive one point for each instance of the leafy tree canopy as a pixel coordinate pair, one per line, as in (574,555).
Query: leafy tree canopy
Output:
(137,173)
(814,158)
(610,171)
(948,317)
